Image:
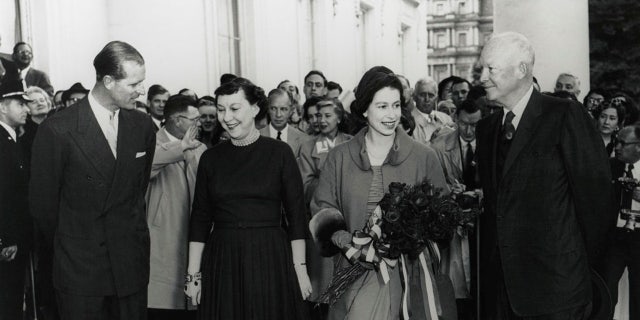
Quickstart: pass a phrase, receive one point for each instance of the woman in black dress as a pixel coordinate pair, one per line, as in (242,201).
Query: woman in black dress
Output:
(253,263)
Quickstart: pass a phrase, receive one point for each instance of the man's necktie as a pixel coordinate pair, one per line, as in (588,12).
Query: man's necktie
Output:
(112,136)
(279,134)
(469,170)
(627,195)
(508,130)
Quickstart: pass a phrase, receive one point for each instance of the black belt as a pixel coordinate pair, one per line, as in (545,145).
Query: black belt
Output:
(246,224)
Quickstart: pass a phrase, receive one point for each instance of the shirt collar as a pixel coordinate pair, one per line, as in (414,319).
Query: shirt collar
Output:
(12,132)
(100,111)
(283,135)
(518,108)
(170,136)
(156,121)
(464,143)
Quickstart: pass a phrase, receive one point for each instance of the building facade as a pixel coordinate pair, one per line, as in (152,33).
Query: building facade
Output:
(456,31)
(190,43)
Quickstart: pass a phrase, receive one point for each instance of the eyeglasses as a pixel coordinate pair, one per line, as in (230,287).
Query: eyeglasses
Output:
(190,119)
(618,101)
(626,143)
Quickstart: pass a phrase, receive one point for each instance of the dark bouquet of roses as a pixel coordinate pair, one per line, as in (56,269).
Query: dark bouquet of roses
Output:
(407,220)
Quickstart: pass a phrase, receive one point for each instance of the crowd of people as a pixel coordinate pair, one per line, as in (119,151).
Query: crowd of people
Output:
(188,207)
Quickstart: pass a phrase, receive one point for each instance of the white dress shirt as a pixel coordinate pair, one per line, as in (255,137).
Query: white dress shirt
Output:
(108,122)
(283,133)
(518,109)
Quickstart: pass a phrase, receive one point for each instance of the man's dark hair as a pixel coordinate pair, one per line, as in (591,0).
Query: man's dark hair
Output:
(443,84)
(317,72)
(155,90)
(177,103)
(476,92)
(15,47)
(604,93)
(227,77)
(469,106)
(110,59)
(206,101)
(333,86)
(308,104)
(458,80)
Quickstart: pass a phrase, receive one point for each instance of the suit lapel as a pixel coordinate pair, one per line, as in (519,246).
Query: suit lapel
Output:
(495,122)
(93,143)
(524,132)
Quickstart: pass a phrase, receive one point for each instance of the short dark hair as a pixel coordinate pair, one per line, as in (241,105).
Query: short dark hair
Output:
(253,93)
(15,47)
(604,93)
(308,104)
(469,106)
(316,72)
(620,110)
(371,82)
(155,90)
(476,92)
(442,84)
(227,77)
(458,80)
(177,103)
(206,101)
(333,86)
(109,60)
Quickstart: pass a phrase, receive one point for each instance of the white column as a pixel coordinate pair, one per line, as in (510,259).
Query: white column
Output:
(556,52)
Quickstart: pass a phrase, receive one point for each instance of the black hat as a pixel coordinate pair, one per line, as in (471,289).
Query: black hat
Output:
(75,88)
(13,90)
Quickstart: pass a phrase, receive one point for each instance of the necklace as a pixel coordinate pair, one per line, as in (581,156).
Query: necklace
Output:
(249,139)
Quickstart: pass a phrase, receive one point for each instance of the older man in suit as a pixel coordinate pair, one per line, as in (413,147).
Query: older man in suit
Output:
(280,109)
(90,171)
(15,224)
(547,188)
(23,56)
(429,121)
(173,178)
(623,247)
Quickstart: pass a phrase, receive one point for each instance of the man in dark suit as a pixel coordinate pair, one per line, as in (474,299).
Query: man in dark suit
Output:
(623,247)
(23,56)
(15,223)
(547,188)
(90,169)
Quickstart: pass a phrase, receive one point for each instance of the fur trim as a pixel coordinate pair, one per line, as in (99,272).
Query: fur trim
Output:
(323,225)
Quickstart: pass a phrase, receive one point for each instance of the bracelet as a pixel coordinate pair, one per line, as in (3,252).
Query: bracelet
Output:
(192,277)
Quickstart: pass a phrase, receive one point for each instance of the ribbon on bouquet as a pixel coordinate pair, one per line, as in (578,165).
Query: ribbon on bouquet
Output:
(364,247)
(432,304)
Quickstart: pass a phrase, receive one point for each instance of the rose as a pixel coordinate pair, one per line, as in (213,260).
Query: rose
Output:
(396,187)
(392,215)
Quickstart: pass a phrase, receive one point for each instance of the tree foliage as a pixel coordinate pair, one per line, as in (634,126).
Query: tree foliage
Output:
(614,34)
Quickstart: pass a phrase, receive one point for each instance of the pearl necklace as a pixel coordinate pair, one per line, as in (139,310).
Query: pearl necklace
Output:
(249,139)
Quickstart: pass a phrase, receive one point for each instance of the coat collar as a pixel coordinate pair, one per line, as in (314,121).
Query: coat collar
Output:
(340,138)
(400,150)
(91,140)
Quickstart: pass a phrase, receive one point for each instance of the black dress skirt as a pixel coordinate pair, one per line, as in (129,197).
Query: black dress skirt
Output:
(248,206)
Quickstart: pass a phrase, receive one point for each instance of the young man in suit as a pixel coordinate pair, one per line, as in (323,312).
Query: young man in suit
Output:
(547,190)
(280,109)
(456,152)
(23,56)
(90,171)
(15,223)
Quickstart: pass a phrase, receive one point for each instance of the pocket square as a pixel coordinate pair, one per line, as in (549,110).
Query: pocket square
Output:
(140,154)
